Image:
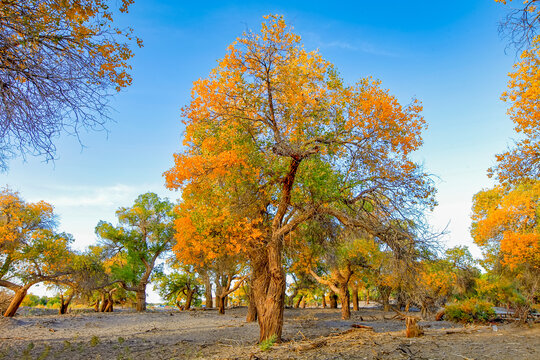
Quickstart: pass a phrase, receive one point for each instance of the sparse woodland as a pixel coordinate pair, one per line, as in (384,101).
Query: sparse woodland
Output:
(296,188)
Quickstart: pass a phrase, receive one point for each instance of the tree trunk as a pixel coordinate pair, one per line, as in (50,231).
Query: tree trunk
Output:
(269,289)
(293,295)
(252,307)
(16,301)
(189,298)
(141,299)
(355,298)
(303,303)
(104,302)
(367,296)
(324,301)
(207,290)
(110,302)
(298,301)
(96,306)
(386,303)
(220,304)
(333,300)
(64,304)
(345,299)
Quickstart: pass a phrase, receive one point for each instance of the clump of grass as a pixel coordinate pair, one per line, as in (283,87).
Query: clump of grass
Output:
(121,340)
(267,344)
(94,341)
(26,352)
(67,345)
(45,353)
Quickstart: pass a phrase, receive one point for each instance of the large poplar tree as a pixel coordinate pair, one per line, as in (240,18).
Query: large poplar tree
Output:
(280,134)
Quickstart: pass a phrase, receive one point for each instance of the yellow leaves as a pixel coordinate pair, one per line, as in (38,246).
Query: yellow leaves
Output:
(509,219)
(523,93)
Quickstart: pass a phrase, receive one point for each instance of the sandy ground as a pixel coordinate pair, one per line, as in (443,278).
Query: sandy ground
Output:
(308,334)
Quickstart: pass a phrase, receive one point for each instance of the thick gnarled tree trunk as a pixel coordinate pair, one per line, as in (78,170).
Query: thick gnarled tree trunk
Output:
(141,299)
(338,283)
(16,301)
(269,289)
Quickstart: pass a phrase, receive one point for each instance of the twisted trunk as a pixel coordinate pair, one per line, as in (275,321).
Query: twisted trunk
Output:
(269,290)
(189,298)
(64,304)
(15,303)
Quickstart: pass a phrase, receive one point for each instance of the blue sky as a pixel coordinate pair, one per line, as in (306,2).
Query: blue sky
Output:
(447,54)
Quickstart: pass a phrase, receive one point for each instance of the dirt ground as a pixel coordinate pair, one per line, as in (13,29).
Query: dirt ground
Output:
(308,334)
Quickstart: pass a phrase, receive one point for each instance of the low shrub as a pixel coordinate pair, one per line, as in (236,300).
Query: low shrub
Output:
(469,310)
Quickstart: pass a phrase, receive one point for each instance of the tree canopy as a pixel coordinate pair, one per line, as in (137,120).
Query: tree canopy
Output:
(282,136)
(59,61)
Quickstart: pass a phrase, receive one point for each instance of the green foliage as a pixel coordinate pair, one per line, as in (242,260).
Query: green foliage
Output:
(94,341)
(267,344)
(145,231)
(469,310)
(174,286)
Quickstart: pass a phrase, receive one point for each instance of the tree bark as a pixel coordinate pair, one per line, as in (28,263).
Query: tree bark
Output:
(189,298)
(252,306)
(345,300)
(269,289)
(333,300)
(220,304)
(207,290)
(64,304)
(141,299)
(355,298)
(298,301)
(104,302)
(367,296)
(96,306)
(324,301)
(16,301)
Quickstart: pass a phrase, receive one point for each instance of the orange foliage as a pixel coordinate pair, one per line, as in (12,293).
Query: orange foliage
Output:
(523,162)
(80,22)
(507,219)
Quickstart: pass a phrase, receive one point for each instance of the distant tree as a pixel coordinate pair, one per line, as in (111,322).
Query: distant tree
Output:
(59,61)
(178,285)
(144,233)
(30,250)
